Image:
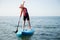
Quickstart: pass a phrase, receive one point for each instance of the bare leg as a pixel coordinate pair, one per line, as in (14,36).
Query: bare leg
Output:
(23,25)
(29,24)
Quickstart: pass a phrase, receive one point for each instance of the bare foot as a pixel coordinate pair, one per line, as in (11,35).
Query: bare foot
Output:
(29,27)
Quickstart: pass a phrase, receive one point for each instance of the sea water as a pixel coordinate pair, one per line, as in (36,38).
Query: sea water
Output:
(46,28)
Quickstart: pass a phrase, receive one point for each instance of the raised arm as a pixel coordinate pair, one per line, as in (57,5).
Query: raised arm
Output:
(23,3)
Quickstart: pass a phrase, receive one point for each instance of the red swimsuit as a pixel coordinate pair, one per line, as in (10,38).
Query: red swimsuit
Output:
(25,12)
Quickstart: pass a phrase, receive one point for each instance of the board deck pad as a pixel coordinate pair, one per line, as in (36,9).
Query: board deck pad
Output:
(25,32)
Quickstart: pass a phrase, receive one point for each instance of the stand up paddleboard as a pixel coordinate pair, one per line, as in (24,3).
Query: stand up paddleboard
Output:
(25,32)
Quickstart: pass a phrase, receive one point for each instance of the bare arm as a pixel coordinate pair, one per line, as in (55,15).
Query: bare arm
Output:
(22,9)
(23,3)
(21,13)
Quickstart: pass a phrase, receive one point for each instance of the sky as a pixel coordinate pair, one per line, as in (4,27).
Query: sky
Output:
(35,7)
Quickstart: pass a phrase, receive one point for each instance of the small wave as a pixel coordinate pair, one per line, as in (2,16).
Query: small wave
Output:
(51,26)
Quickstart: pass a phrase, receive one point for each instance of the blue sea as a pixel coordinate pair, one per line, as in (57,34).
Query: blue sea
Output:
(46,28)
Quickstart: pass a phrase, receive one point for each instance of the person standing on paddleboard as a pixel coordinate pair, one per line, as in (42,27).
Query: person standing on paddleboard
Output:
(25,15)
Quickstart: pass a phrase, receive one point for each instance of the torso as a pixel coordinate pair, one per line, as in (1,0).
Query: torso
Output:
(25,11)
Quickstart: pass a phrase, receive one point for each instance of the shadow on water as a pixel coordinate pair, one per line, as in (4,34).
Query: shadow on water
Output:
(25,37)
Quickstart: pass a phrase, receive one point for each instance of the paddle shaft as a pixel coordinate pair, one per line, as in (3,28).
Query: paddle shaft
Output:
(20,17)
(18,23)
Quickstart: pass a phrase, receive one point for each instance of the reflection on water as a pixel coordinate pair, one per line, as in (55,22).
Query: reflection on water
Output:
(25,38)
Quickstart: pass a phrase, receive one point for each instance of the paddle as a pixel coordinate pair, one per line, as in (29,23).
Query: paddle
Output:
(17,25)
(19,19)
